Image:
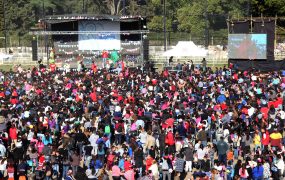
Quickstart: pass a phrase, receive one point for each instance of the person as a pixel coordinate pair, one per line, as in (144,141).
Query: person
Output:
(116,172)
(154,169)
(243,172)
(115,56)
(105,55)
(165,168)
(192,66)
(189,157)
(258,171)
(204,64)
(75,157)
(69,175)
(222,148)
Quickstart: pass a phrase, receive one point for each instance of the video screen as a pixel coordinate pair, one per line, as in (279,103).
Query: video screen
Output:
(99,41)
(247,46)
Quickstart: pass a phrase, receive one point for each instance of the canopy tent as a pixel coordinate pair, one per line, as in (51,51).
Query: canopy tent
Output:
(186,48)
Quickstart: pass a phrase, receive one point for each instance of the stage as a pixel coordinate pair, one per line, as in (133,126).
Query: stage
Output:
(85,37)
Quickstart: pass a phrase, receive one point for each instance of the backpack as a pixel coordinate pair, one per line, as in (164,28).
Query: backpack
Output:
(120,128)
(107,129)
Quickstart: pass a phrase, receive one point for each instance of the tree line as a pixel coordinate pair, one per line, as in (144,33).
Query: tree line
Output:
(192,16)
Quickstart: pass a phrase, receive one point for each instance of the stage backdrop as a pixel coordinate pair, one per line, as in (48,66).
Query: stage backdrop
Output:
(99,41)
(266,27)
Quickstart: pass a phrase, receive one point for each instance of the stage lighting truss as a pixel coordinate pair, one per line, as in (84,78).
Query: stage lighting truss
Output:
(87,32)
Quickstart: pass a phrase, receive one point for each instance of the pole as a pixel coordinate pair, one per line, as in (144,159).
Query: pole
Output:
(45,37)
(206,28)
(83,6)
(124,7)
(5,27)
(164,23)
(275,32)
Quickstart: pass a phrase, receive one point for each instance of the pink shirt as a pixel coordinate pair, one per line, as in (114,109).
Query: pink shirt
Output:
(40,146)
(130,175)
(116,171)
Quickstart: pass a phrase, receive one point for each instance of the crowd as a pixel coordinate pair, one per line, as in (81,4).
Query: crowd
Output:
(193,123)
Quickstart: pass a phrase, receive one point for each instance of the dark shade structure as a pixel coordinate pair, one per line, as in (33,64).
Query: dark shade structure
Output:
(239,27)
(264,66)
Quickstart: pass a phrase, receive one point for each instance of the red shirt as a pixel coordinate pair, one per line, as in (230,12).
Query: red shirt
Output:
(52,67)
(264,111)
(14,93)
(127,165)
(170,139)
(13,101)
(105,54)
(148,162)
(270,103)
(165,73)
(13,133)
(94,67)
(93,96)
(265,138)
(168,123)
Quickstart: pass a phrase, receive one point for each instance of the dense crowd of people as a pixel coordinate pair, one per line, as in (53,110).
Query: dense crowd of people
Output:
(131,123)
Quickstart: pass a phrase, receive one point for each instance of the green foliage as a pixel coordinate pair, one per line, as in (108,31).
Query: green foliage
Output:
(191,15)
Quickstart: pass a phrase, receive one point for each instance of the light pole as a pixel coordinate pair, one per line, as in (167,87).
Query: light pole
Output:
(4,21)
(164,23)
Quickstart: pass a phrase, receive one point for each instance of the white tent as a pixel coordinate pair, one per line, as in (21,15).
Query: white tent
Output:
(5,56)
(186,49)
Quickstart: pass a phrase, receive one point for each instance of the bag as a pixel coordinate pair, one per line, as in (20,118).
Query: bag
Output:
(2,119)
(235,145)
(170,170)
(48,173)
(107,129)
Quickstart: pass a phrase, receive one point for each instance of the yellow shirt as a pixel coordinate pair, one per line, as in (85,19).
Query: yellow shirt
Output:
(256,140)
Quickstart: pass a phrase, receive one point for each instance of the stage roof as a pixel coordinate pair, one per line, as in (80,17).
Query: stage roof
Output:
(76,17)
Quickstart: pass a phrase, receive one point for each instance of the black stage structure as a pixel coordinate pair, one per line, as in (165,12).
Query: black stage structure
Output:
(259,25)
(64,33)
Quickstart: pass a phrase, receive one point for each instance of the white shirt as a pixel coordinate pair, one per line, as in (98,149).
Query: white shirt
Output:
(197,146)
(143,137)
(2,150)
(226,133)
(251,111)
(154,170)
(280,165)
(201,153)
(93,139)
(3,166)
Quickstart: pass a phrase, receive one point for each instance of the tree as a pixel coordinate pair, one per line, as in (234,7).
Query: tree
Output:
(191,18)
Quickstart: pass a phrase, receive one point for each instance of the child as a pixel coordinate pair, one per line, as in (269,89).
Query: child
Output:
(230,171)
(230,155)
